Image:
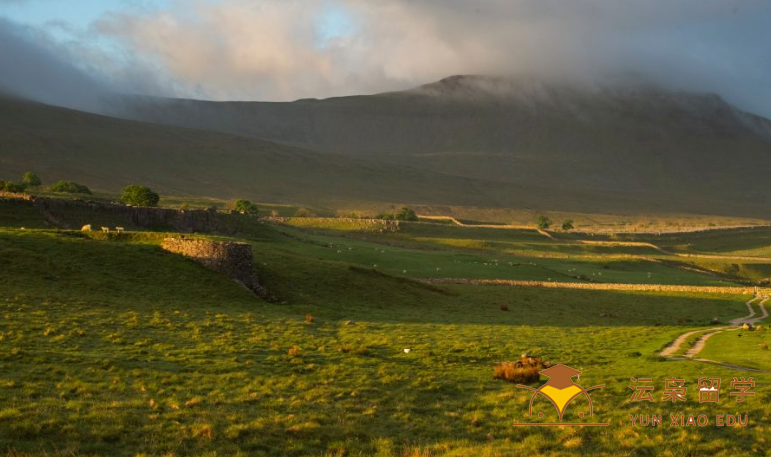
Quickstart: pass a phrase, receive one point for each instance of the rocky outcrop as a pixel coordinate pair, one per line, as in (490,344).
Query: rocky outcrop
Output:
(231,258)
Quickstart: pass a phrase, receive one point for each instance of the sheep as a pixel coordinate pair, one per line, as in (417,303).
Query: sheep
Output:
(119,229)
(86,228)
(106,229)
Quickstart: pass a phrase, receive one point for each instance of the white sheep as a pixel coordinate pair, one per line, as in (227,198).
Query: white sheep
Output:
(86,228)
(119,229)
(106,229)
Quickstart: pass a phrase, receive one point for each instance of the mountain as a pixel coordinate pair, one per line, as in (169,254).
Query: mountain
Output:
(108,153)
(687,150)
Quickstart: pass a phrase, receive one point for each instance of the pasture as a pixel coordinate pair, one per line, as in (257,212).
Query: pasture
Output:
(111,346)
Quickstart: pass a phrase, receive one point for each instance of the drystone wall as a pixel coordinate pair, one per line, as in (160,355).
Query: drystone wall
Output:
(233,259)
(73,214)
(340,223)
(593,286)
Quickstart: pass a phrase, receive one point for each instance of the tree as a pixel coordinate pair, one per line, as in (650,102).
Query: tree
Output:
(70,187)
(31,179)
(544,222)
(139,196)
(406,214)
(568,225)
(246,207)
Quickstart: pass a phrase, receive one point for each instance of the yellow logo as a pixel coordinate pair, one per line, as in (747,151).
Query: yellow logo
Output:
(561,390)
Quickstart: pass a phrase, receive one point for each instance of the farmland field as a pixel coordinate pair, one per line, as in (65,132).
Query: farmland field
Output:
(110,346)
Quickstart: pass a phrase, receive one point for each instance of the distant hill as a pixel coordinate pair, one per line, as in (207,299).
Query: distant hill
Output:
(108,153)
(651,146)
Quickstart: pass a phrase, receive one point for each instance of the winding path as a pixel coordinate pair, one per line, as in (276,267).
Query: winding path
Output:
(697,347)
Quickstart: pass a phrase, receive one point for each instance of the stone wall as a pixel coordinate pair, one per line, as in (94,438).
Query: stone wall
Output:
(15,195)
(593,285)
(73,214)
(233,259)
(340,223)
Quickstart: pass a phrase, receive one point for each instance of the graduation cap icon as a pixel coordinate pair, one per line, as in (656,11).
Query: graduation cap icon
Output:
(560,388)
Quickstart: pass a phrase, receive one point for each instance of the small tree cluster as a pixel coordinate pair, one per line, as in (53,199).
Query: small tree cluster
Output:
(28,180)
(70,187)
(139,196)
(404,214)
(304,212)
(543,222)
(246,207)
(567,225)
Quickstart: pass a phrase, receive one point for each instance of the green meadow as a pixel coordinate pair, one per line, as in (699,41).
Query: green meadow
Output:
(110,346)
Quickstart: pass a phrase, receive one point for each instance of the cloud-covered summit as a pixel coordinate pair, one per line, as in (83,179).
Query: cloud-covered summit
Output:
(284,50)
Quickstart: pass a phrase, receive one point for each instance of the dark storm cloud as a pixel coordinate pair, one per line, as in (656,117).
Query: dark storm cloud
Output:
(282,50)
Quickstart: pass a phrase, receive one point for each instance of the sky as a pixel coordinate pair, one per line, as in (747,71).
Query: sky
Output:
(68,52)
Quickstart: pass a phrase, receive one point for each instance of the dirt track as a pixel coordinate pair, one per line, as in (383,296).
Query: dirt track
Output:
(699,345)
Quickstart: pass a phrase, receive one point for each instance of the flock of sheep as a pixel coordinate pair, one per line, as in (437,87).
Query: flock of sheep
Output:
(87,228)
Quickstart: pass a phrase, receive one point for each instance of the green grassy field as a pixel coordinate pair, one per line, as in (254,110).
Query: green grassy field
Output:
(111,346)
(118,348)
(746,348)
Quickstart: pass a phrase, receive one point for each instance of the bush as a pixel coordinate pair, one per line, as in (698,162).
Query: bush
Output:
(10,186)
(568,225)
(406,214)
(70,187)
(246,207)
(31,179)
(544,222)
(303,212)
(139,196)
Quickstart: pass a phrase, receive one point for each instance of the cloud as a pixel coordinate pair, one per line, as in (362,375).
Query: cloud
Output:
(36,67)
(288,49)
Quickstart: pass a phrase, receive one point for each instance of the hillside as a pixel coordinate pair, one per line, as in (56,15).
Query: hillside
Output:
(107,153)
(638,143)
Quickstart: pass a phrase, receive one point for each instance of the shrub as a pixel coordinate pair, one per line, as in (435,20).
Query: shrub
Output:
(567,225)
(9,186)
(303,212)
(31,179)
(504,307)
(246,207)
(70,187)
(406,214)
(294,351)
(543,222)
(139,196)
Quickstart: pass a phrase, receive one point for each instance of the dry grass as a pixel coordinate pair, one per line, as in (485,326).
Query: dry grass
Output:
(525,370)
(294,351)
